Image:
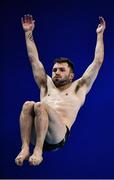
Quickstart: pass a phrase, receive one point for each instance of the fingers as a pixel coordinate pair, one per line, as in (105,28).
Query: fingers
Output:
(101,19)
(27,19)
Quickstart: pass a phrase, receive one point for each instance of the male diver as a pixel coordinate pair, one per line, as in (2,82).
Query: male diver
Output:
(47,123)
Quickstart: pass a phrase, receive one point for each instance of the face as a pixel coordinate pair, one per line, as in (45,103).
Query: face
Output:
(61,74)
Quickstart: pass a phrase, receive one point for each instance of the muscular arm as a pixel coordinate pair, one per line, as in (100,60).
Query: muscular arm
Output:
(91,73)
(37,67)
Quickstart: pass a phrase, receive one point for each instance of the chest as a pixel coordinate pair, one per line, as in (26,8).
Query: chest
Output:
(66,97)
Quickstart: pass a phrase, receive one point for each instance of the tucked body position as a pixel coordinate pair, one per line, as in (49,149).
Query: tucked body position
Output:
(46,124)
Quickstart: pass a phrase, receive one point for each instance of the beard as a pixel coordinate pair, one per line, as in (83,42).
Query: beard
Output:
(60,82)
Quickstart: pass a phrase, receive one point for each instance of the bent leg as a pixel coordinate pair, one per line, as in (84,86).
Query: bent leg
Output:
(57,128)
(49,126)
(26,121)
(41,127)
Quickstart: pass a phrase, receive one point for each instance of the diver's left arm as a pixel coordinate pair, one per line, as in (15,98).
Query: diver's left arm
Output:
(91,73)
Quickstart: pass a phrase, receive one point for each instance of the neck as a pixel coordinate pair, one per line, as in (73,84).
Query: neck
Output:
(61,88)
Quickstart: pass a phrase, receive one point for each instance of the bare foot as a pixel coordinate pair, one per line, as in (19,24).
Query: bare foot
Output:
(35,159)
(24,154)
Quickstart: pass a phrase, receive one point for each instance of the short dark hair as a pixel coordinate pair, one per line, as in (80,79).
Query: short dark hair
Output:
(65,60)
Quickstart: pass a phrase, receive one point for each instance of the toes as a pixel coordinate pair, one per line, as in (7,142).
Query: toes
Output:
(19,161)
(34,161)
(20,158)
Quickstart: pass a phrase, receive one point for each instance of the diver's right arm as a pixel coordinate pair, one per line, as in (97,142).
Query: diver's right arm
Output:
(40,76)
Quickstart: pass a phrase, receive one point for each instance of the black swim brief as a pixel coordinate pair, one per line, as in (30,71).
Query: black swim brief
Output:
(51,147)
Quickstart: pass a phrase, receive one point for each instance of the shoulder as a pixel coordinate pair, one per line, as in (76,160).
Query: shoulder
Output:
(50,82)
(49,86)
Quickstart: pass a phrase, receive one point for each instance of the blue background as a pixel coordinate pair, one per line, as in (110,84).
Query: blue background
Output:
(63,28)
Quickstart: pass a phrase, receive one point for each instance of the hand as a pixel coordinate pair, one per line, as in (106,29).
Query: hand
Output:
(101,27)
(28,23)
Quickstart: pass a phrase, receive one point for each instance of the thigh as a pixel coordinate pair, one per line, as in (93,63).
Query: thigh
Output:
(56,129)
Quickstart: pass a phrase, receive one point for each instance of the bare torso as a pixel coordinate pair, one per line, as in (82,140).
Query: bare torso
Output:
(66,102)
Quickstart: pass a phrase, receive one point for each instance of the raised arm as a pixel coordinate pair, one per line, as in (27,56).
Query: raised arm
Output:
(92,71)
(40,76)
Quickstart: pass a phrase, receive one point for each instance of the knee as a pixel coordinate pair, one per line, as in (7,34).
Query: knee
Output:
(39,107)
(28,106)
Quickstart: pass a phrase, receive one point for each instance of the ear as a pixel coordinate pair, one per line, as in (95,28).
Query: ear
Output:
(71,76)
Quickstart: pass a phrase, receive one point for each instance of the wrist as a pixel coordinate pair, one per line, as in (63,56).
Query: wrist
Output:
(28,32)
(29,35)
(100,35)
(100,32)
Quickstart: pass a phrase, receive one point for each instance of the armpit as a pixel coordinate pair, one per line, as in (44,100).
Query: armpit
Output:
(80,84)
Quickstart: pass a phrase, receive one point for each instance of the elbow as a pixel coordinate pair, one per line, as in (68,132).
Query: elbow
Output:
(99,61)
(31,57)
